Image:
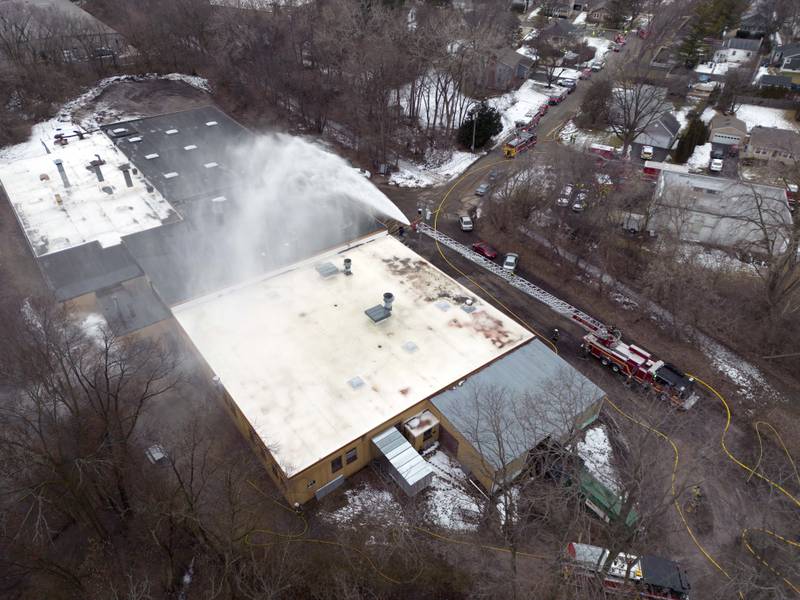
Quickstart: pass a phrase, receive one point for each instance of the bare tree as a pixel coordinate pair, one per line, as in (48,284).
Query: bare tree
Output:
(635,105)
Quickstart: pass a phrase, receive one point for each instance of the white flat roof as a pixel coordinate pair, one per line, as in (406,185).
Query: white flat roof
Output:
(312,372)
(56,217)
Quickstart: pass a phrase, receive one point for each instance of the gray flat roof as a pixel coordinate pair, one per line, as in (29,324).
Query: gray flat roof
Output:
(528,394)
(131,306)
(87,268)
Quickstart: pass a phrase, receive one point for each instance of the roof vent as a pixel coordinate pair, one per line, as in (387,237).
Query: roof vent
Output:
(126,173)
(381,312)
(326,269)
(62,172)
(347,266)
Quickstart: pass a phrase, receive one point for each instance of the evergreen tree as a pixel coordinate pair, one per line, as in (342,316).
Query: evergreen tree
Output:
(696,134)
(488,124)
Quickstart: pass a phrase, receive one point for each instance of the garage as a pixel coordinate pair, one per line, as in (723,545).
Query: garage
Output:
(727,130)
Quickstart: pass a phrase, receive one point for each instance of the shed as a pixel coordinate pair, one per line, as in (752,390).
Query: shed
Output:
(727,129)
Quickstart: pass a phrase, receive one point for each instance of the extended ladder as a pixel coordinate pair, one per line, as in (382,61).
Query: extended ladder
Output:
(560,306)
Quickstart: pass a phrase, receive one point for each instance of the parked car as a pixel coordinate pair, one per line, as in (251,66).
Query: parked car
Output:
(465,223)
(482,189)
(568,83)
(510,262)
(720,154)
(647,153)
(485,250)
(620,39)
(598,65)
(565,197)
(716,165)
(581,202)
(585,73)
(493,175)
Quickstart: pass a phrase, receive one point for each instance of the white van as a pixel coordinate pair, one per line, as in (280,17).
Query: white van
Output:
(647,153)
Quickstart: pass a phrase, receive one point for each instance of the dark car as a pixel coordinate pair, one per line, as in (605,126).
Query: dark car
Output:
(717,154)
(485,250)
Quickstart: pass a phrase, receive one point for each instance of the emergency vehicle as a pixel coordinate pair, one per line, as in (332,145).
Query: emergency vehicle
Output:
(521,142)
(637,364)
(629,576)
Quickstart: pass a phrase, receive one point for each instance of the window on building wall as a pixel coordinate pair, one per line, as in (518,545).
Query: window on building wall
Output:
(311,483)
(351,456)
(427,434)
(336,464)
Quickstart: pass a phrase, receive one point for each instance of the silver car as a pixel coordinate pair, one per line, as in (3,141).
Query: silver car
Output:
(482,189)
(510,262)
(465,223)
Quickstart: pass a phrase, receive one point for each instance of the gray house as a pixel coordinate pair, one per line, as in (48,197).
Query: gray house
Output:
(660,134)
(509,70)
(772,145)
(787,58)
(720,212)
(727,129)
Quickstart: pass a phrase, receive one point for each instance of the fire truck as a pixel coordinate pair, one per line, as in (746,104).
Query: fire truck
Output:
(643,576)
(637,364)
(521,142)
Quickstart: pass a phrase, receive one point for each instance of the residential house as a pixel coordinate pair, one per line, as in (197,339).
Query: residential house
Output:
(509,70)
(772,145)
(661,133)
(787,59)
(559,32)
(727,129)
(597,12)
(557,8)
(776,81)
(752,25)
(720,212)
(737,50)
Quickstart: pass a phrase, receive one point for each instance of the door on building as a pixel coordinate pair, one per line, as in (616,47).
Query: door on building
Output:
(448,441)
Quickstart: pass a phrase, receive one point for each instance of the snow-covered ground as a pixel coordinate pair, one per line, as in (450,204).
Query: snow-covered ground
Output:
(580,19)
(602,46)
(570,133)
(595,450)
(766,117)
(365,504)
(682,115)
(65,120)
(715,68)
(433,172)
(700,158)
(449,505)
(708,114)
(746,376)
(519,105)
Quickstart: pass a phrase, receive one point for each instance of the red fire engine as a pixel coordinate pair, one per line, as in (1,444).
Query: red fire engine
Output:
(521,142)
(666,380)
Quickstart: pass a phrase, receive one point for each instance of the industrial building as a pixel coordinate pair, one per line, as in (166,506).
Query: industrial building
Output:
(331,343)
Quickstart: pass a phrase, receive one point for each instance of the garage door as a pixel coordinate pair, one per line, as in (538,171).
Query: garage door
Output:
(724,138)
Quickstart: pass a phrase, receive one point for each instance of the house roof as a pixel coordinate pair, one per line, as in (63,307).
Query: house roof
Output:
(742,44)
(559,28)
(775,80)
(716,210)
(312,372)
(721,121)
(667,126)
(792,63)
(670,123)
(132,306)
(597,5)
(512,58)
(776,139)
(530,394)
(789,50)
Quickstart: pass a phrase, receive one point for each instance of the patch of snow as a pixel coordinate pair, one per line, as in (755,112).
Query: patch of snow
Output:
(448,503)
(707,115)
(580,19)
(434,171)
(595,450)
(766,117)
(624,301)
(700,158)
(517,106)
(572,134)
(747,377)
(527,51)
(366,504)
(715,68)
(602,46)
(533,14)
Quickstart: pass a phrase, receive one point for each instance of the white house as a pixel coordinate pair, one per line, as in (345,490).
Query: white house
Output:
(737,50)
